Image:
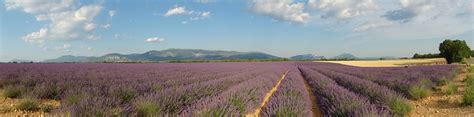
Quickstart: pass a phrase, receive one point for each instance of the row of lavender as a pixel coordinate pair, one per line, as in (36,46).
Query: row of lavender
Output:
(408,81)
(348,91)
(291,99)
(145,89)
(220,89)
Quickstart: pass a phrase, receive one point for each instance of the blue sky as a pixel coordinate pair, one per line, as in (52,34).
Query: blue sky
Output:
(43,29)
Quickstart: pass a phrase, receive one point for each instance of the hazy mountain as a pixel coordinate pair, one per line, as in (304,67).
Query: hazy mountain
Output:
(167,55)
(21,61)
(345,56)
(306,57)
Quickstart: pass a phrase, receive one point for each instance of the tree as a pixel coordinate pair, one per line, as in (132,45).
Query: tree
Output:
(472,53)
(416,55)
(454,50)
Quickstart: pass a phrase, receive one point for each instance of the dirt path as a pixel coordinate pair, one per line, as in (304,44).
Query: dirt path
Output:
(440,104)
(314,105)
(267,97)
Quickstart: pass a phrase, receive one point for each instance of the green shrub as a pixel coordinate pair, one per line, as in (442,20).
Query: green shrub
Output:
(469,80)
(73,99)
(13,91)
(28,105)
(471,69)
(147,108)
(442,81)
(285,112)
(451,88)
(419,92)
(237,103)
(46,108)
(468,97)
(214,112)
(400,107)
(126,95)
(156,88)
(46,91)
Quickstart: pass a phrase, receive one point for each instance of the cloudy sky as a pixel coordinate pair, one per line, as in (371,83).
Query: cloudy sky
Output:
(42,29)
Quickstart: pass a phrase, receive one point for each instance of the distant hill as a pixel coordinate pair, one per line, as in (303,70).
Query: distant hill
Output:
(345,56)
(306,57)
(167,55)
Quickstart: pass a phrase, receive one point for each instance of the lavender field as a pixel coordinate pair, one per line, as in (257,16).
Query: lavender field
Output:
(223,89)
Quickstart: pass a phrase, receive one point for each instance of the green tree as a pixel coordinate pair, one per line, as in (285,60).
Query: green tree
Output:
(454,50)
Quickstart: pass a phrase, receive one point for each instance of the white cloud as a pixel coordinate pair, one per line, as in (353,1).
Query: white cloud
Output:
(112,13)
(154,39)
(89,27)
(418,19)
(93,37)
(176,11)
(63,20)
(200,15)
(285,10)
(193,15)
(206,14)
(39,6)
(65,47)
(423,10)
(117,36)
(36,37)
(204,1)
(342,9)
(106,26)
(372,25)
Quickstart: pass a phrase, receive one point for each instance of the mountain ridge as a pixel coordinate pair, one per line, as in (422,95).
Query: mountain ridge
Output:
(166,55)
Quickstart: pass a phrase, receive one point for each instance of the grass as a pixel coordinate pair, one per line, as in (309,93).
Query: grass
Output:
(214,112)
(469,80)
(147,108)
(400,107)
(285,112)
(126,95)
(28,105)
(13,91)
(46,108)
(74,98)
(470,69)
(443,81)
(238,103)
(451,89)
(468,97)
(46,91)
(421,90)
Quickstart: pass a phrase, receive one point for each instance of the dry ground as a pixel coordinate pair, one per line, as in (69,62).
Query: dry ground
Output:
(7,107)
(390,63)
(440,104)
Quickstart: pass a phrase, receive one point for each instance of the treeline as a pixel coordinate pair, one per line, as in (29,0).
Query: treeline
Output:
(454,51)
(430,55)
(418,56)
